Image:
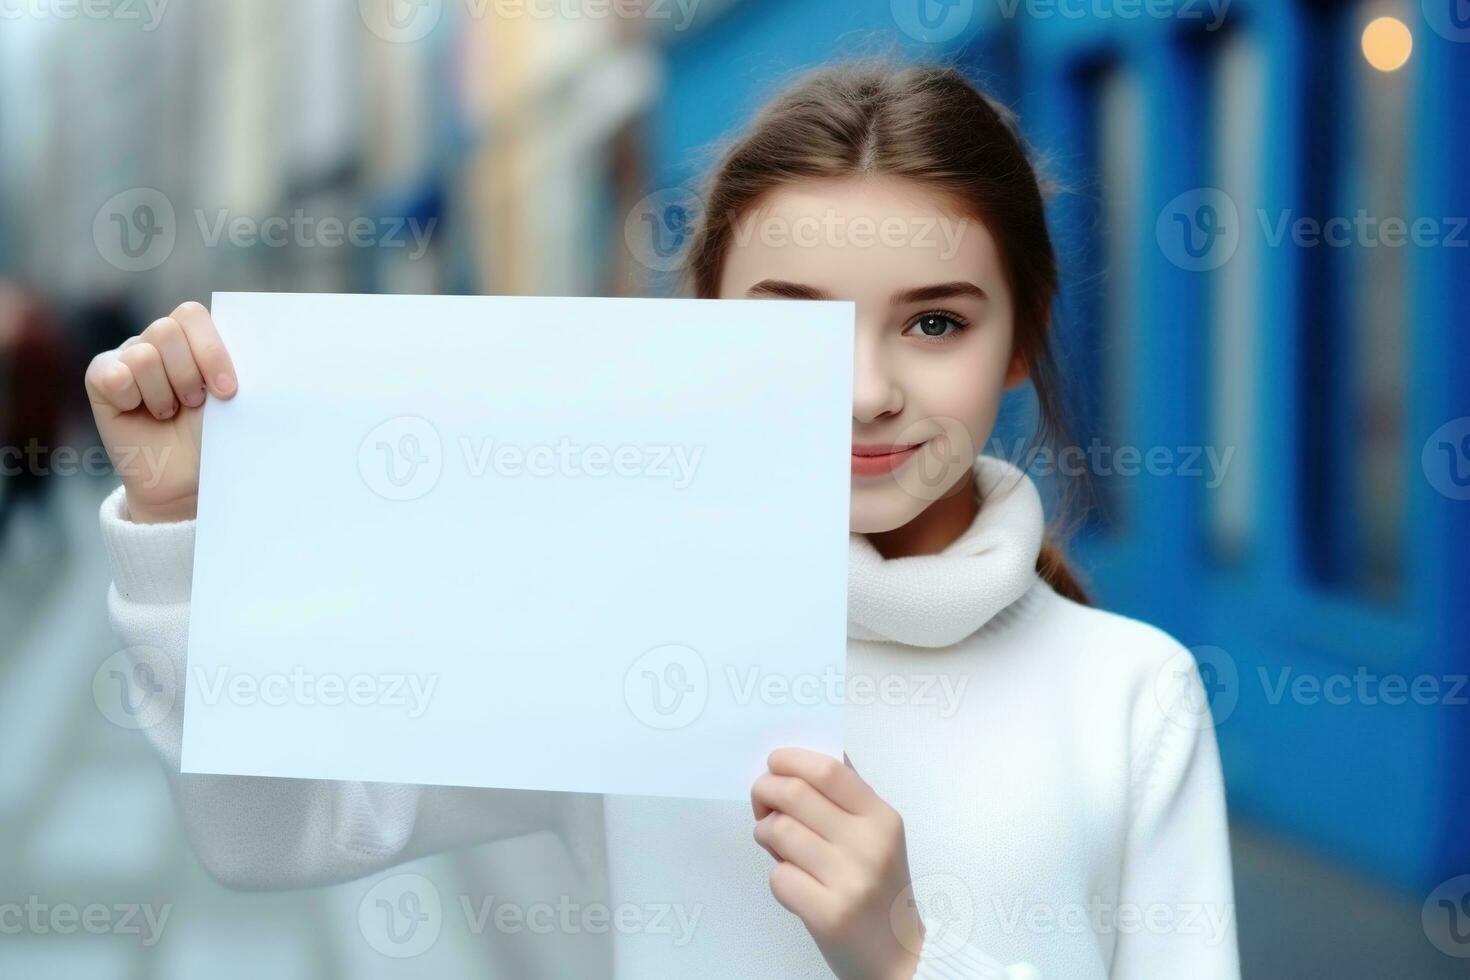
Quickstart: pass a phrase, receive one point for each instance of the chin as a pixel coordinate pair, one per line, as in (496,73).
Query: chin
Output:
(882,508)
(887,504)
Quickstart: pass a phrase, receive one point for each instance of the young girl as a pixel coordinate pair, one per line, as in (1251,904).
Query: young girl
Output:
(1058,812)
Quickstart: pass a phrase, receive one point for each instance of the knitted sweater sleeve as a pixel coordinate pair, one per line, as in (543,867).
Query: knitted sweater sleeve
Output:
(1175,910)
(254,832)
(1176,915)
(965,962)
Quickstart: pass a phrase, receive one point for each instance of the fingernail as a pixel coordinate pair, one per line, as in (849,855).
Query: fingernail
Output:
(224,383)
(194,398)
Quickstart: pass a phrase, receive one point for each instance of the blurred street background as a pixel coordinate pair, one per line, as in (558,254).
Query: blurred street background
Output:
(1264,218)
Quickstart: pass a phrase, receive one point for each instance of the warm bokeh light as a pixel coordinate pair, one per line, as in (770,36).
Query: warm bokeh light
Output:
(1387,43)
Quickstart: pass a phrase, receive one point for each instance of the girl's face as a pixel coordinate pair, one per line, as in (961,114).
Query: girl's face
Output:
(934,325)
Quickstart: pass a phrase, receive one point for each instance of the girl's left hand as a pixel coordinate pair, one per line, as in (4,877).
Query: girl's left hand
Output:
(841,863)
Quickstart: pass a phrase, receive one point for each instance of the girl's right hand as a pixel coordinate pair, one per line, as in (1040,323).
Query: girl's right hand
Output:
(147,397)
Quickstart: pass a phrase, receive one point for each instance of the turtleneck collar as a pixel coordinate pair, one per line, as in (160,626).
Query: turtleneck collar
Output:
(938,600)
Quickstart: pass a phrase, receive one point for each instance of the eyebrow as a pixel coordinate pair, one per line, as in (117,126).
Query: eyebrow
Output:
(919,294)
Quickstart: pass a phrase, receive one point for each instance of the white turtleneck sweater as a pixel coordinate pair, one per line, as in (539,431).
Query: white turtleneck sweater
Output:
(1058,779)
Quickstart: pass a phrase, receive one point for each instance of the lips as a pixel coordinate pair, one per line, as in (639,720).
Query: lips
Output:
(876,459)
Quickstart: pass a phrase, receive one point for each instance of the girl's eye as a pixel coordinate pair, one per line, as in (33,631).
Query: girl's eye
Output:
(938,326)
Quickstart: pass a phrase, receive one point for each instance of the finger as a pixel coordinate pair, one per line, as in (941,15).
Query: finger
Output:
(839,783)
(797,891)
(209,350)
(794,841)
(797,797)
(167,335)
(146,364)
(110,385)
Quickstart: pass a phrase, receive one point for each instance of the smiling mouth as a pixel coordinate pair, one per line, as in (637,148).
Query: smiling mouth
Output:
(876,460)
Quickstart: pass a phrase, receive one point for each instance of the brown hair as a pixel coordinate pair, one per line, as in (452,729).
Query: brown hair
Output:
(926,123)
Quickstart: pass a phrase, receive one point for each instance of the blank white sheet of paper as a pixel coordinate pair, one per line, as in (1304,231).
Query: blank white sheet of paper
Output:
(573,544)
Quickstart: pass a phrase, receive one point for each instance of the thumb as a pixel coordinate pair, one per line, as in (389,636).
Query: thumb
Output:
(848,762)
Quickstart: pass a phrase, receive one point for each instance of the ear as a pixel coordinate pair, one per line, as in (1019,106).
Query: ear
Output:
(1016,372)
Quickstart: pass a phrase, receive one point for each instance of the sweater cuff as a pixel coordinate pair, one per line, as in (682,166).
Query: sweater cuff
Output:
(150,562)
(947,961)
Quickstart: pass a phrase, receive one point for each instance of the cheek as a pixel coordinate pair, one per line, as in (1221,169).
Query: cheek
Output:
(964,384)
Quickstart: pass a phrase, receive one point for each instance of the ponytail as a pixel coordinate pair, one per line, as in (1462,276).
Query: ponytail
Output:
(1056,572)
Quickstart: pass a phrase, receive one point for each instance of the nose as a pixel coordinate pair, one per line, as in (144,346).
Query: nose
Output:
(875,391)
